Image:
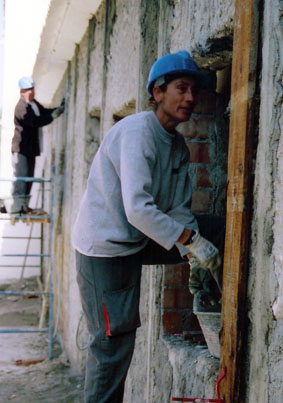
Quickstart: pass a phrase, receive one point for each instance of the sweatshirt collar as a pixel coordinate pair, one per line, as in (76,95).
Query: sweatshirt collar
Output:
(169,137)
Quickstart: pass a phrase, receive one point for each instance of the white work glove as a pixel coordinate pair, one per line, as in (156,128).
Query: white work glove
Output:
(205,252)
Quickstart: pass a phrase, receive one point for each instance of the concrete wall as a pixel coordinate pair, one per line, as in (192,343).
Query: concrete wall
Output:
(105,80)
(266,281)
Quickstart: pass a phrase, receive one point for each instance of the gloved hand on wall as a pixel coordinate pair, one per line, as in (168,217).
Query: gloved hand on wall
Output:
(204,303)
(207,297)
(205,252)
(59,110)
(200,279)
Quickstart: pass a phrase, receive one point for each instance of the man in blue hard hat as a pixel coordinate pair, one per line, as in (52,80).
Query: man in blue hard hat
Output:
(135,211)
(29,117)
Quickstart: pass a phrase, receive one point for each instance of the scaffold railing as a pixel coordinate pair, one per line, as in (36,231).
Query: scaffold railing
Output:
(42,219)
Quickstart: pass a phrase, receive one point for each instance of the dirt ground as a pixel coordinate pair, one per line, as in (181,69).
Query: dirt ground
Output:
(26,374)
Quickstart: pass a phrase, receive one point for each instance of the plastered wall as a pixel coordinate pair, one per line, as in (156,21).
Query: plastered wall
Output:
(265,361)
(106,77)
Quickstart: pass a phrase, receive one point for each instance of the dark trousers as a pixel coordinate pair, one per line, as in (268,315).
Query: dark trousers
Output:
(23,166)
(110,291)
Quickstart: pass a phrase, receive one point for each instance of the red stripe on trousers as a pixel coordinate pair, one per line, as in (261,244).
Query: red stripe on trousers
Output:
(106,319)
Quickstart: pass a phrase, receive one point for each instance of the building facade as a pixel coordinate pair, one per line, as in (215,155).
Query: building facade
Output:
(99,61)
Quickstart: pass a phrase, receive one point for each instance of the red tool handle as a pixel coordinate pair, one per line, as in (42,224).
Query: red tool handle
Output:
(218,383)
(197,399)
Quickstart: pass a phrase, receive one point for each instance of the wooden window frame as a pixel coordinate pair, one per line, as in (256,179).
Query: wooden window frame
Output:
(239,198)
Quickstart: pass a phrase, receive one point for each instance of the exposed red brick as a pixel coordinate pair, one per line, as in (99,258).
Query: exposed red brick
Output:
(197,127)
(199,152)
(169,298)
(177,298)
(203,179)
(172,322)
(177,274)
(203,127)
(184,298)
(189,128)
(201,200)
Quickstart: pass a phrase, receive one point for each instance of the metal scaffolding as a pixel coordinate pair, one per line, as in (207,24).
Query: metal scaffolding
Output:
(31,219)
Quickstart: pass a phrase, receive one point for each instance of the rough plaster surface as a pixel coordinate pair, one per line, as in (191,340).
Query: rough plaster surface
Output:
(266,282)
(96,48)
(66,147)
(78,129)
(196,26)
(122,60)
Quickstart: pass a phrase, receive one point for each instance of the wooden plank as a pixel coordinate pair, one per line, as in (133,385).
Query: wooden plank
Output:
(27,219)
(239,194)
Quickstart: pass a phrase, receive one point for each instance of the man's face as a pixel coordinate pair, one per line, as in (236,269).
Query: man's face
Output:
(176,104)
(28,94)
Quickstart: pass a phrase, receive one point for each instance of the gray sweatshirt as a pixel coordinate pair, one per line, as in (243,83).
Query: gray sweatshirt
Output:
(138,188)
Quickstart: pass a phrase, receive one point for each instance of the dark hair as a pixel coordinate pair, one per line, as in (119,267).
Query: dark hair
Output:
(151,102)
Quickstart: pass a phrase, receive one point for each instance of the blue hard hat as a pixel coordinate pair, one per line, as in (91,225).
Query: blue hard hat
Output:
(173,64)
(26,82)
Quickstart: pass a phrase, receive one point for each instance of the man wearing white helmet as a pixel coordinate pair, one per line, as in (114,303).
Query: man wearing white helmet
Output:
(135,211)
(29,116)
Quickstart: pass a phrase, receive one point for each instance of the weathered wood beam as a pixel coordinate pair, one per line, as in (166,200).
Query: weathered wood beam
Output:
(239,198)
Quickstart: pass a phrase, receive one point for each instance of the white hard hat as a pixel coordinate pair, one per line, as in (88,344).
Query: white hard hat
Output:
(26,82)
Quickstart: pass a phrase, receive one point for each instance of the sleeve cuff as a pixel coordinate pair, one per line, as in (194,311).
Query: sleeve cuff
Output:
(182,249)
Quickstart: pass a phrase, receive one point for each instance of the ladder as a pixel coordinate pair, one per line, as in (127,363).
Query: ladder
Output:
(30,219)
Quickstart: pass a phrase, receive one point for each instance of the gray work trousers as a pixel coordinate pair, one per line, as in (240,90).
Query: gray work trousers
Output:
(23,166)
(110,292)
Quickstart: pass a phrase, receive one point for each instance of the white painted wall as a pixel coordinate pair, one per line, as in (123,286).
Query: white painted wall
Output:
(1,53)
(23,25)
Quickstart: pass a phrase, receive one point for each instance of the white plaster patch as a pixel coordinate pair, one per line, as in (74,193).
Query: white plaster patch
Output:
(278,229)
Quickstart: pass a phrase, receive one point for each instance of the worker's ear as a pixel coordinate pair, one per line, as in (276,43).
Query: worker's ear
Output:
(157,94)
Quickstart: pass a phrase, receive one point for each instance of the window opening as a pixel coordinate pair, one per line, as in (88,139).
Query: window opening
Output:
(206,135)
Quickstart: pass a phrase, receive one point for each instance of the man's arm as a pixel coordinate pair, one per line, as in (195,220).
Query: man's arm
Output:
(25,116)
(185,236)
(133,154)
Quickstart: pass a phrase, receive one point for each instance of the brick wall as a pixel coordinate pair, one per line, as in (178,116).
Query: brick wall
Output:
(177,300)
(199,134)
(203,134)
